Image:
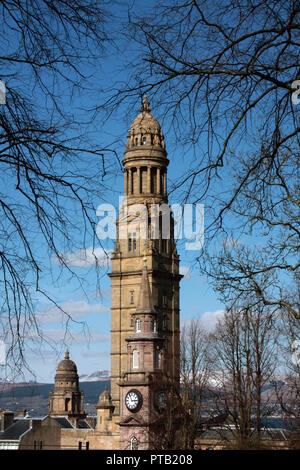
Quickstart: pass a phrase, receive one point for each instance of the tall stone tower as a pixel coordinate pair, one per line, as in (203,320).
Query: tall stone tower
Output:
(142,386)
(144,242)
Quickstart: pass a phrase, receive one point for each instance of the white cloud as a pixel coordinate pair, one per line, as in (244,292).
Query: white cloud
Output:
(76,309)
(209,319)
(68,337)
(85,257)
(185,271)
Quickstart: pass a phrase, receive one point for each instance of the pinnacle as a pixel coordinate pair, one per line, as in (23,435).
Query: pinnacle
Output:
(145,105)
(145,303)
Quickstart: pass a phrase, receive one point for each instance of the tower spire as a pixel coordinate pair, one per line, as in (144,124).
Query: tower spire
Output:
(145,303)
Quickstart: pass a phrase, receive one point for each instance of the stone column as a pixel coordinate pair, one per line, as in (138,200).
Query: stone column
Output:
(126,182)
(149,179)
(138,179)
(158,181)
(129,181)
(165,183)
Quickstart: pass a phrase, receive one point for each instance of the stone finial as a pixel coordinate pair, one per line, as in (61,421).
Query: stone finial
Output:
(67,355)
(145,105)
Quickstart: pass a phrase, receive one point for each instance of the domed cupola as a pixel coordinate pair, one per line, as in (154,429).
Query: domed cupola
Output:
(66,373)
(145,159)
(145,131)
(66,399)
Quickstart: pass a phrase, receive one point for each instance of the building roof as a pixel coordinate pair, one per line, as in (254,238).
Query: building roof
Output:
(82,424)
(63,422)
(15,431)
(66,424)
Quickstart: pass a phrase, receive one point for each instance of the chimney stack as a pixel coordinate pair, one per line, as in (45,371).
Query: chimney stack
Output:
(21,413)
(7,419)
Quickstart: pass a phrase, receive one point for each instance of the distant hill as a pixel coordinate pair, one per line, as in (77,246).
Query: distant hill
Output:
(34,396)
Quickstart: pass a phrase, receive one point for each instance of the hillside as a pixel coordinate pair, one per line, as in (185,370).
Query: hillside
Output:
(34,396)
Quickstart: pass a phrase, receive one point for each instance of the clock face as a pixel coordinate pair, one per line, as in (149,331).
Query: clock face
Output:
(133,400)
(161,400)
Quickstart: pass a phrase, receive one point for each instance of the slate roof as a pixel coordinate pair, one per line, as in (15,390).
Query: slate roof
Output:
(14,432)
(64,423)
(82,424)
(21,425)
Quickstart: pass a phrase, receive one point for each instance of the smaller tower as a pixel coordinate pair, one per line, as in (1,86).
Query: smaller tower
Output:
(66,399)
(141,386)
(105,409)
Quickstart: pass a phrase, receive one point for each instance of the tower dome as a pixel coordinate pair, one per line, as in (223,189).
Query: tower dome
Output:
(66,365)
(66,399)
(66,374)
(145,131)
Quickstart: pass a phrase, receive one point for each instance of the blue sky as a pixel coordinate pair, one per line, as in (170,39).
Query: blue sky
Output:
(89,337)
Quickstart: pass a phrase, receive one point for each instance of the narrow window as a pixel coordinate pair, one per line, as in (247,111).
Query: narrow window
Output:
(34,445)
(134,241)
(129,242)
(153,325)
(67,400)
(144,140)
(41,445)
(157,359)
(134,445)
(87,445)
(138,326)
(79,445)
(132,296)
(135,359)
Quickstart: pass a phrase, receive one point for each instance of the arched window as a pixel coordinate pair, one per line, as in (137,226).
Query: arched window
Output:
(138,326)
(144,140)
(135,359)
(134,445)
